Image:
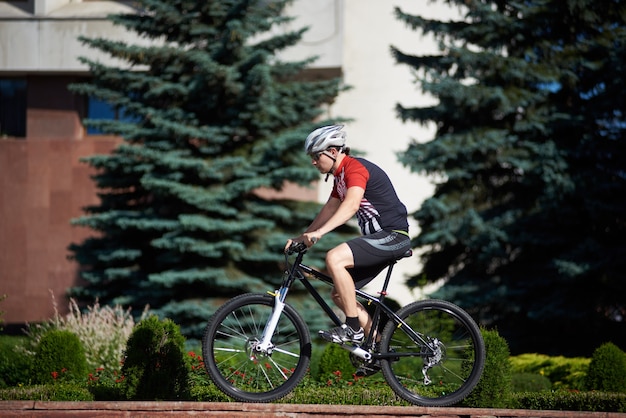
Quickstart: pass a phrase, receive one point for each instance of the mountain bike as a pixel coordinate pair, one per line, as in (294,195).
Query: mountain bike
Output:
(257,347)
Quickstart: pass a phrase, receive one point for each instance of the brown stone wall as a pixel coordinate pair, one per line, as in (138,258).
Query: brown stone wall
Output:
(10,409)
(53,111)
(42,186)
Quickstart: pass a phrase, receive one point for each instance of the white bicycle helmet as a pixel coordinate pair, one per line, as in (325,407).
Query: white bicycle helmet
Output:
(324,138)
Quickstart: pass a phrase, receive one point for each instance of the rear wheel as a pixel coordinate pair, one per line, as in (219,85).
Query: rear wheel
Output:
(234,363)
(442,366)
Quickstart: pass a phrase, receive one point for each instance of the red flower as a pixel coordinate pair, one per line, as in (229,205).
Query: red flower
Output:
(55,374)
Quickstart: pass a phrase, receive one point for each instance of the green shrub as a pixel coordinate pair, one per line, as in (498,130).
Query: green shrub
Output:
(335,362)
(106,385)
(60,356)
(15,365)
(314,365)
(565,400)
(103,331)
(607,370)
(372,394)
(494,388)
(563,372)
(60,392)
(155,366)
(2,297)
(208,393)
(529,382)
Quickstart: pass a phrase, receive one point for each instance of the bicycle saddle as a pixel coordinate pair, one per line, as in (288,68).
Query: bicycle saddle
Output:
(407,254)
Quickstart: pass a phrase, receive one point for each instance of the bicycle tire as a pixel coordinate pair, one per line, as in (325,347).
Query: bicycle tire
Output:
(453,358)
(241,372)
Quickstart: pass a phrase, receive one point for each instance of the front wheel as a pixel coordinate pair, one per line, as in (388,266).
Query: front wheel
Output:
(436,356)
(232,358)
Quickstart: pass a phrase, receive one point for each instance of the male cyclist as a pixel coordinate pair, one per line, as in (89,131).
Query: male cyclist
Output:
(361,188)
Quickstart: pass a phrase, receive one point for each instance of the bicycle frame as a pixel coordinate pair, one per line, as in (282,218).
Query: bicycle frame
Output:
(258,348)
(297,271)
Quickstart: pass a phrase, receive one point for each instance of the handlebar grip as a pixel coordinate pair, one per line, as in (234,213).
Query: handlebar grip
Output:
(296,247)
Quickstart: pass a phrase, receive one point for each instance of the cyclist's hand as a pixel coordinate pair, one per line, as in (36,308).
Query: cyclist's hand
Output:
(294,246)
(292,243)
(289,244)
(310,238)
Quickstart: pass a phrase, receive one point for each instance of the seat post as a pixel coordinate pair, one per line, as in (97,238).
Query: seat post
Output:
(383,292)
(390,265)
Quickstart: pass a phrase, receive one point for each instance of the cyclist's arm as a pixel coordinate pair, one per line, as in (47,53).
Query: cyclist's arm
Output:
(342,214)
(327,211)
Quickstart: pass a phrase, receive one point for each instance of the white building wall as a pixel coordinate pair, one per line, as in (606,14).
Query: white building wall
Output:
(367,30)
(324,37)
(42,35)
(378,84)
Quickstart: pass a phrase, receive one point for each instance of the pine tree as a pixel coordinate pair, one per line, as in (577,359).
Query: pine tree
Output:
(211,116)
(526,225)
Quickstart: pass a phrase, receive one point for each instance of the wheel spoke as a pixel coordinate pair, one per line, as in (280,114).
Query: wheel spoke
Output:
(236,362)
(443,370)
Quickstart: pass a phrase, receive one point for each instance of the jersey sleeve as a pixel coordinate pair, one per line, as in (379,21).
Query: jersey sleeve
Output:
(356,175)
(353,173)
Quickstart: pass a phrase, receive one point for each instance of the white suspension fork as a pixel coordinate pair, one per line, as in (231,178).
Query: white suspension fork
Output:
(265,345)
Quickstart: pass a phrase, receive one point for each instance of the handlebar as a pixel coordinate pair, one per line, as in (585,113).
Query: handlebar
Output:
(298,247)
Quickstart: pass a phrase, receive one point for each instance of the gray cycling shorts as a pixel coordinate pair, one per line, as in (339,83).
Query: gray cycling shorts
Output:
(373,252)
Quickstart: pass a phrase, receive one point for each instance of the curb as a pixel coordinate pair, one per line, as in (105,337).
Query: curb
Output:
(247,410)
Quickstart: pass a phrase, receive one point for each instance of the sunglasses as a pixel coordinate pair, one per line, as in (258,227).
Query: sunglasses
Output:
(316,156)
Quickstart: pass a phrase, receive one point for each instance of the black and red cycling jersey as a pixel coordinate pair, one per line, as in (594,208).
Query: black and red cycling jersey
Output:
(380,208)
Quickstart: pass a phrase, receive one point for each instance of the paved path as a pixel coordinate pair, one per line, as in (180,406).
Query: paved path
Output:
(36,409)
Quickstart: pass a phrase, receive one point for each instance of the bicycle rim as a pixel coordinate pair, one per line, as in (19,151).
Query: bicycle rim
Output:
(444,370)
(240,371)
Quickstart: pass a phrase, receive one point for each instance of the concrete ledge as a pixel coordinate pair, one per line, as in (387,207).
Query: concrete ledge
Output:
(250,410)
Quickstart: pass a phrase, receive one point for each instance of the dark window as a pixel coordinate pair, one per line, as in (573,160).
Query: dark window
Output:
(98,109)
(12,107)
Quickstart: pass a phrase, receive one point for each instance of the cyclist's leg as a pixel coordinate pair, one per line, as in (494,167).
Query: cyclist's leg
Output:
(371,254)
(364,318)
(361,254)
(340,263)
(338,260)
